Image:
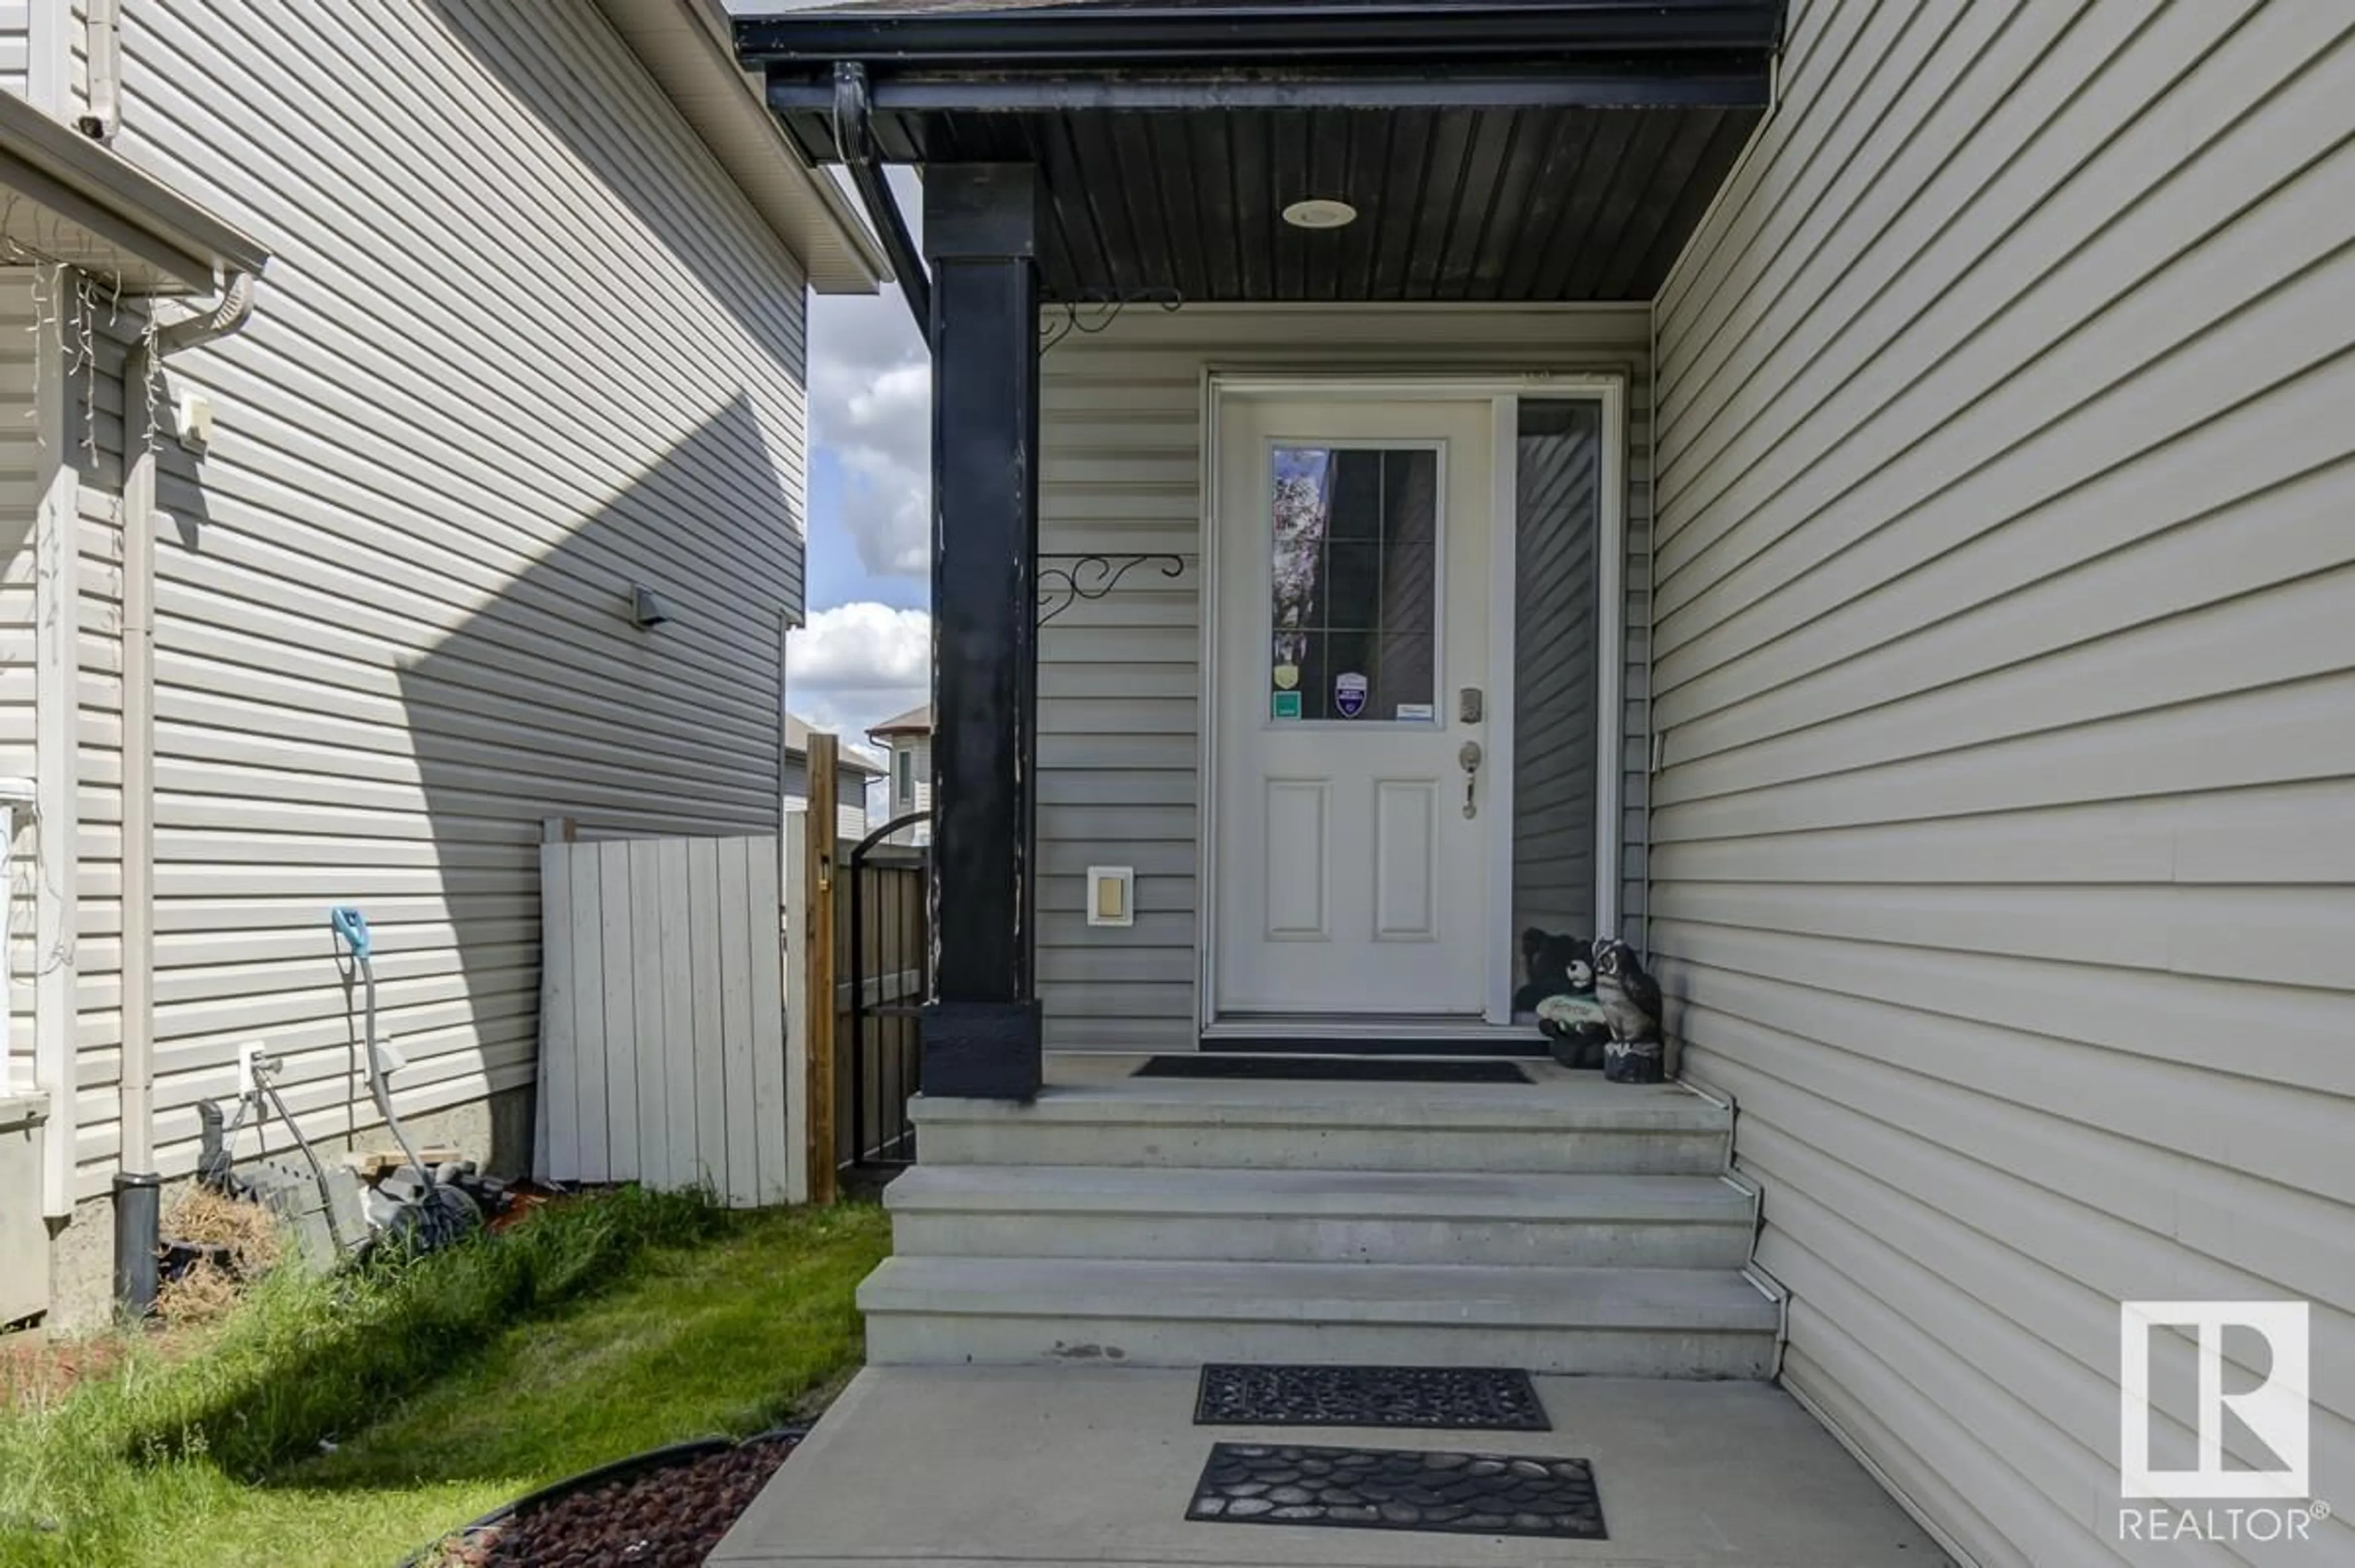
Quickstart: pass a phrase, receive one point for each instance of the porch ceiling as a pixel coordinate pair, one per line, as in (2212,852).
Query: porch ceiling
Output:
(1538,150)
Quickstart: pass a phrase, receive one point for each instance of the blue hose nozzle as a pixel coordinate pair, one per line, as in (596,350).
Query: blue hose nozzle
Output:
(352,926)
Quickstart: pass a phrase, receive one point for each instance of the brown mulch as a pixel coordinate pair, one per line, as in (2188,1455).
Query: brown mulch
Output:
(36,1372)
(669,1518)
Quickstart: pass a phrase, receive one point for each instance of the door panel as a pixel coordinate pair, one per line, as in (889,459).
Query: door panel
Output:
(1353,611)
(1298,866)
(1406,860)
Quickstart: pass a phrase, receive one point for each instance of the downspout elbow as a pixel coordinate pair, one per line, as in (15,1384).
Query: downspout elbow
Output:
(228,313)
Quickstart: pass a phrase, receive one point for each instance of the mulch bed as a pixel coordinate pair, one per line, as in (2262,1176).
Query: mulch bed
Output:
(668,1517)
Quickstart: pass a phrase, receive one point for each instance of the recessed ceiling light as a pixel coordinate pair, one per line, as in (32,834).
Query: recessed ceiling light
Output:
(1319,213)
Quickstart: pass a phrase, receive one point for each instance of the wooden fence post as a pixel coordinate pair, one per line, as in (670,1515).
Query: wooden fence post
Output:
(819,977)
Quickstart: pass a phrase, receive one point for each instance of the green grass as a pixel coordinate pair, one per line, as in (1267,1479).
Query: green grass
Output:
(346,1422)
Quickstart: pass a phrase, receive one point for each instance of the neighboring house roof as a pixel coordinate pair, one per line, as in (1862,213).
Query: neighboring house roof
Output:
(797,734)
(77,201)
(915,722)
(685,47)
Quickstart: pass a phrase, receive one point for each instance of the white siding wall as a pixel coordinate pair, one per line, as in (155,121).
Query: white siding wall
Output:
(521,346)
(918,749)
(1119,677)
(16,24)
(2004,858)
(20,481)
(851,796)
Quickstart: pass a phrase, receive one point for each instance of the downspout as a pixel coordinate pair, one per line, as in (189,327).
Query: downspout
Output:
(102,51)
(136,1180)
(854,140)
(57,765)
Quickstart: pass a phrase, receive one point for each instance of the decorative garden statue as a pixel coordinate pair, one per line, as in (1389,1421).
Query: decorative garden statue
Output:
(1631,1006)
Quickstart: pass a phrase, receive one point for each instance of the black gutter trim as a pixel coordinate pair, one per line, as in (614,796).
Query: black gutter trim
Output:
(1526,32)
(1719,86)
(854,139)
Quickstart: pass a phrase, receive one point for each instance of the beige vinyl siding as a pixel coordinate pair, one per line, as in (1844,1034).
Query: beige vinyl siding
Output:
(15,36)
(521,346)
(20,497)
(918,749)
(2004,855)
(851,796)
(98,335)
(1119,677)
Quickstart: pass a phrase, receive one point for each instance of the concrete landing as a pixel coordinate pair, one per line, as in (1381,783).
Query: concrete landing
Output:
(962,1468)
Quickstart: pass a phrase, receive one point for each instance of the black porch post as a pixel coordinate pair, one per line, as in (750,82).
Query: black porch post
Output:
(981,1031)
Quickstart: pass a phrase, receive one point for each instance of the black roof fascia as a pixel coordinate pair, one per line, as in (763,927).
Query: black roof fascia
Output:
(1662,82)
(1528,32)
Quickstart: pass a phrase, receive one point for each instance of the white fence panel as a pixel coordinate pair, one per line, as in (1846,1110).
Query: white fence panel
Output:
(663,1052)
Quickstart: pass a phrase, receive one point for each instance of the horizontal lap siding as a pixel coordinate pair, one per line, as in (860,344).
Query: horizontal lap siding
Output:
(16,38)
(1119,679)
(20,497)
(2004,853)
(521,345)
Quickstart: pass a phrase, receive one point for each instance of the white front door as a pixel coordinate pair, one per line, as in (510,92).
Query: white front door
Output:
(1352,673)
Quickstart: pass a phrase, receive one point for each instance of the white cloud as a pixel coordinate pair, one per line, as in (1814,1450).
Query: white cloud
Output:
(870,387)
(857,665)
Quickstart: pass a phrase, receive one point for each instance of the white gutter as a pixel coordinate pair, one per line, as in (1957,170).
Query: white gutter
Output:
(140,521)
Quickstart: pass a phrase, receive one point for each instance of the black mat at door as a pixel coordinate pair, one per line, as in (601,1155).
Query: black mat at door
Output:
(1398,1489)
(1532,1046)
(1490,1399)
(1333,1068)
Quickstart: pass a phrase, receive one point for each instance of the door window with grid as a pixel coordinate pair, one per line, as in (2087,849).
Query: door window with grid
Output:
(1354,590)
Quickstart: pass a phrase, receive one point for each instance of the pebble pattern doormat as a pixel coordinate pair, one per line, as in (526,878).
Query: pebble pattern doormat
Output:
(1495,1399)
(1393,1489)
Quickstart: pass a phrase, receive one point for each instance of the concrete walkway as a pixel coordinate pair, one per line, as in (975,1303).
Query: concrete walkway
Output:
(997,1467)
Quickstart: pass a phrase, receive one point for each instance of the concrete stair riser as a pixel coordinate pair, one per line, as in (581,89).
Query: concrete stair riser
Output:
(1320,1217)
(1290,1126)
(1295,1240)
(921,1339)
(1229,1147)
(1619,1322)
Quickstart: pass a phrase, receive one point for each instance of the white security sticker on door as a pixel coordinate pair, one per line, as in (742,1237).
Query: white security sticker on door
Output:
(1413,712)
(1350,694)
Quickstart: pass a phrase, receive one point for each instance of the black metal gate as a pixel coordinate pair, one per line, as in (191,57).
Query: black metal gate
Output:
(883,929)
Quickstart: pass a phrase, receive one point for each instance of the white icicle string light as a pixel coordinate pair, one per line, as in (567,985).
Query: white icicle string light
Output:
(85,324)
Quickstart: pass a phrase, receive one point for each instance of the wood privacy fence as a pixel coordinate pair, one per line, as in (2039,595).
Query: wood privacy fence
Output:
(678,1043)
(663,1018)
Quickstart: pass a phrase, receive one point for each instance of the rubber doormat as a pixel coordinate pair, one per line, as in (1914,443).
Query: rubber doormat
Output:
(1394,1488)
(1493,1399)
(1333,1070)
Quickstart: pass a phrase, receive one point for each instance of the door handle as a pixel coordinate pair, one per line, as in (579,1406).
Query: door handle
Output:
(1468,759)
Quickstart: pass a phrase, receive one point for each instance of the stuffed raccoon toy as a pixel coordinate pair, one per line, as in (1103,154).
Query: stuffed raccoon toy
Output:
(1630,1000)
(1560,990)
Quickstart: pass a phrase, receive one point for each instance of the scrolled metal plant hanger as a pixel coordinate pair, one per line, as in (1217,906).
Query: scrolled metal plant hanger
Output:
(1093,577)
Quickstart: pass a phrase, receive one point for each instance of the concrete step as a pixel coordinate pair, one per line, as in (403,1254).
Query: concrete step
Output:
(1319,1216)
(1677,1323)
(1582,1126)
